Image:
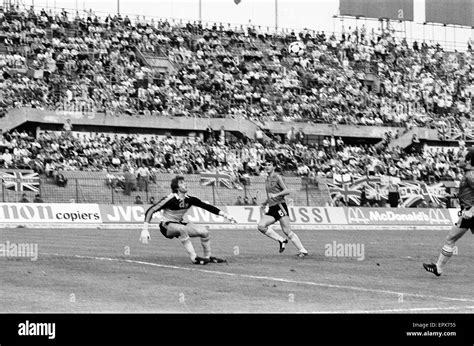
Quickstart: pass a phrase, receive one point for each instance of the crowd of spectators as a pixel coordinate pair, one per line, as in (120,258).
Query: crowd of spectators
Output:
(37,199)
(246,200)
(134,161)
(87,63)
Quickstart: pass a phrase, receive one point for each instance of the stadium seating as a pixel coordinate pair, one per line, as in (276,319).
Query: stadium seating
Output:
(133,67)
(122,68)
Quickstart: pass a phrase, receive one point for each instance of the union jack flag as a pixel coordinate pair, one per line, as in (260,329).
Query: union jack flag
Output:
(21,181)
(350,195)
(376,188)
(216,179)
(376,192)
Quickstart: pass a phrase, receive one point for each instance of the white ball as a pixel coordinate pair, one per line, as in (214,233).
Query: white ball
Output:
(296,48)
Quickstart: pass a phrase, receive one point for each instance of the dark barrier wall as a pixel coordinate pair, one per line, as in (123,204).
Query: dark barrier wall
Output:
(459,12)
(391,9)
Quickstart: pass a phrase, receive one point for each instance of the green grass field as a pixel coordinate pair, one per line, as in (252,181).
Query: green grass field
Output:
(92,270)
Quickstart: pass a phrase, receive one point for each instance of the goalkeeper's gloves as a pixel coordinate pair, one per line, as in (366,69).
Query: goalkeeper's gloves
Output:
(228,217)
(145,235)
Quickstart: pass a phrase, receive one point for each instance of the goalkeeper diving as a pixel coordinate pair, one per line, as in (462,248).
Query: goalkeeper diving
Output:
(173,208)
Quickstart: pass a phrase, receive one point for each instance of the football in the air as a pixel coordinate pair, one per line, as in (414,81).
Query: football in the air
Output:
(296,48)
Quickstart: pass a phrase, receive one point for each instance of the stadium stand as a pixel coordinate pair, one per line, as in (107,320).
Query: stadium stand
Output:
(119,65)
(126,67)
(51,155)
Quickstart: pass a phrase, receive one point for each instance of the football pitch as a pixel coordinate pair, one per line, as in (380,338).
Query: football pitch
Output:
(109,270)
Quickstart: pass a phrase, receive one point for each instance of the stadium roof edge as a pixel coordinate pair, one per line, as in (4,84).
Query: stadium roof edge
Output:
(18,117)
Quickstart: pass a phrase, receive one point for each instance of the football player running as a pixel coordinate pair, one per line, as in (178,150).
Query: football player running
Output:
(174,206)
(278,211)
(466,217)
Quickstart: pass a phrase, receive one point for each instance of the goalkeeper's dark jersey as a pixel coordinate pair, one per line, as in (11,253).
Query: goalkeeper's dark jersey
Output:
(466,190)
(175,207)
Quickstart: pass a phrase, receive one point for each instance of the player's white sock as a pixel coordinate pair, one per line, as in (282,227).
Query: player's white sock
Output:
(444,256)
(296,241)
(189,247)
(274,235)
(206,246)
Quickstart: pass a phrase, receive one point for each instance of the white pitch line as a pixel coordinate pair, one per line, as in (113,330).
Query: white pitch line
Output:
(397,310)
(269,278)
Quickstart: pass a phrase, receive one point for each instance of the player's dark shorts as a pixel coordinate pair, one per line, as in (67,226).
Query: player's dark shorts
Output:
(164,227)
(278,211)
(466,223)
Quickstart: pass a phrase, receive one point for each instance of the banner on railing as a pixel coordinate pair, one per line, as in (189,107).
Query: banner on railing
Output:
(251,215)
(50,213)
(38,214)
(125,213)
(399,216)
